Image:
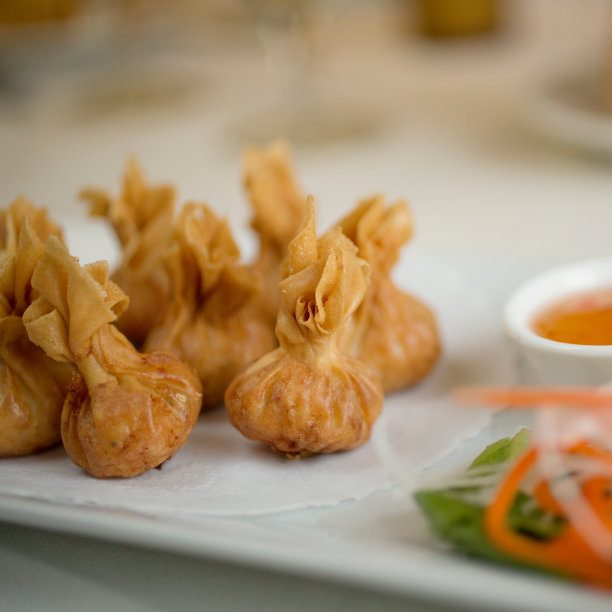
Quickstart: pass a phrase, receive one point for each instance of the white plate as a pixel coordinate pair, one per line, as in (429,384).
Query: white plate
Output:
(577,110)
(372,536)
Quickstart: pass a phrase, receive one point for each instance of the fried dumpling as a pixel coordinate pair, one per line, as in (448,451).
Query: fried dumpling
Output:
(392,331)
(32,386)
(125,412)
(307,396)
(142,219)
(278,207)
(211,320)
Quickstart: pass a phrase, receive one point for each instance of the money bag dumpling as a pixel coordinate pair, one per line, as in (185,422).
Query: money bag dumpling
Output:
(278,208)
(392,331)
(125,412)
(32,386)
(141,217)
(211,321)
(307,396)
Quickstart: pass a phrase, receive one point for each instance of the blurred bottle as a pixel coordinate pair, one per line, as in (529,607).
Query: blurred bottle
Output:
(455,18)
(13,12)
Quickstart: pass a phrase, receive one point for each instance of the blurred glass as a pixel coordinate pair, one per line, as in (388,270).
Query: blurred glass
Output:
(300,104)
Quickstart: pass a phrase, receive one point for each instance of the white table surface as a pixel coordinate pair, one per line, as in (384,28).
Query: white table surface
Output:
(456,141)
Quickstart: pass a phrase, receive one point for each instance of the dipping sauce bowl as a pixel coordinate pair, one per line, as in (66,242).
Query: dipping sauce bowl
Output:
(552,362)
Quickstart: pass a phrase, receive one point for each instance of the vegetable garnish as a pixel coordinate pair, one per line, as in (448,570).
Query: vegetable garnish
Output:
(571,551)
(545,499)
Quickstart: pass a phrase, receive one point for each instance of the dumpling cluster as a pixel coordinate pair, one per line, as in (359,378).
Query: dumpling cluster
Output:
(66,373)
(32,386)
(301,344)
(307,396)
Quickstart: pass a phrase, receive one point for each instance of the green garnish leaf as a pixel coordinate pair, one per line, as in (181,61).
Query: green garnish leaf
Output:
(458,522)
(503,450)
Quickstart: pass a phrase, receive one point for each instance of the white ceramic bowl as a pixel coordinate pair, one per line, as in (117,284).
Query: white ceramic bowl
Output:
(546,361)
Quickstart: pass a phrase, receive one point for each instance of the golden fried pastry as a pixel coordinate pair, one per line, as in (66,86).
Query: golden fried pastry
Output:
(142,219)
(392,331)
(307,396)
(32,386)
(211,321)
(125,412)
(32,392)
(279,208)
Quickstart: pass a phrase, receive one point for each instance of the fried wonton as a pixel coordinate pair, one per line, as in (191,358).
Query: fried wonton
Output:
(125,412)
(211,320)
(32,386)
(278,207)
(307,396)
(392,331)
(142,219)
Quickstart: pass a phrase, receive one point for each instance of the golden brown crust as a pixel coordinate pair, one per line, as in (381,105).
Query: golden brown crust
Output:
(277,201)
(32,392)
(32,386)
(392,331)
(129,425)
(278,208)
(401,343)
(23,230)
(142,217)
(211,322)
(299,408)
(13,218)
(307,397)
(126,412)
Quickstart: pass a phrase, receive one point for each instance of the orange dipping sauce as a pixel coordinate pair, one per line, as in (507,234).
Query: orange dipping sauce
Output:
(583,318)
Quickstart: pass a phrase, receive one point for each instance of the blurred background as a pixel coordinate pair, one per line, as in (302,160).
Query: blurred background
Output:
(494,118)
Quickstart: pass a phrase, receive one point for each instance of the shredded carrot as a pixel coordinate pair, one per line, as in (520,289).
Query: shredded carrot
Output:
(568,552)
(590,450)
(546,500)
(598,492)
(595,489)
(528,397)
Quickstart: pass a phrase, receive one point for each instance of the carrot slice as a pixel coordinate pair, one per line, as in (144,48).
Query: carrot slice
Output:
(545,499)
(523,397)
(567,553)
(598,492)
(590,450)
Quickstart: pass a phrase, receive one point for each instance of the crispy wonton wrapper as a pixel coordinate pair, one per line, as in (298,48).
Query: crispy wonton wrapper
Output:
(212,321)
(279,208)
(32,386)
(125,412)
(307,396)
(392,331)
(142,219)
